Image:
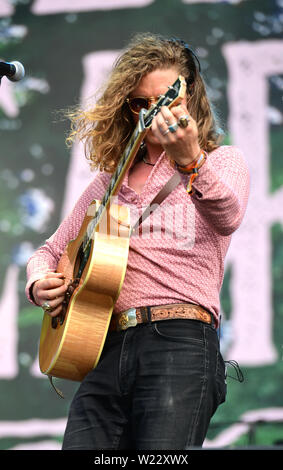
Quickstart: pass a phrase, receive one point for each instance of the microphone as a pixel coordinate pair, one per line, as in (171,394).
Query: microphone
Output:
(14,71)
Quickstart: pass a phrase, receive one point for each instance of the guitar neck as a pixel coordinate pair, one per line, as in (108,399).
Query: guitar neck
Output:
(117,178)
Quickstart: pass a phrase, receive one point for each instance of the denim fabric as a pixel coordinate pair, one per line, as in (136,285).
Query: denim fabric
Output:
(156,386)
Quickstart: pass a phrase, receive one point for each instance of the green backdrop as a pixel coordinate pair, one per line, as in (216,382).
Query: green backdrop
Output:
(35,163)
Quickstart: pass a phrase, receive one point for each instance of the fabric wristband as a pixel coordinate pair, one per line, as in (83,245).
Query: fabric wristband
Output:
(192,169)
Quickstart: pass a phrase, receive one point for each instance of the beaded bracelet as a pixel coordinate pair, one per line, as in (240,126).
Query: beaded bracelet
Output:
(192,169)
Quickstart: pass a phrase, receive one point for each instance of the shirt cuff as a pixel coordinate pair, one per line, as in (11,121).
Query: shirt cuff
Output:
(205,179)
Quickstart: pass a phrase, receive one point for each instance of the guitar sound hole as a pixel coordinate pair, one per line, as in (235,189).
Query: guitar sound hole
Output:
(59,319)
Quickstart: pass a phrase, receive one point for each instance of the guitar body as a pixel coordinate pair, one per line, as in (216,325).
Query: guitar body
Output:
(71,349)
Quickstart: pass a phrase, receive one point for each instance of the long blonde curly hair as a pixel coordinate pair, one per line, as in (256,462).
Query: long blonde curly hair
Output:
(106,128)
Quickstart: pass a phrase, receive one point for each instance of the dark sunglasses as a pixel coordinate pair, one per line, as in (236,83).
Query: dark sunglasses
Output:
(139,102)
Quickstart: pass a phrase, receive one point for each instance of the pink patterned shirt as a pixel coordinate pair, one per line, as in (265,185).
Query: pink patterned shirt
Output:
(179,256)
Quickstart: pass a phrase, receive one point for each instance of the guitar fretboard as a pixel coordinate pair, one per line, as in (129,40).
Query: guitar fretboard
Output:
(124,162)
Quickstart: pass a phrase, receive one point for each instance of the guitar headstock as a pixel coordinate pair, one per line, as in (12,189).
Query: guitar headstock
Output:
(173,96)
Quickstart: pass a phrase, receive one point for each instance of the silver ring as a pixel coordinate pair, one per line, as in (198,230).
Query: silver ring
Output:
(46,307)
(166,132)
(173,127)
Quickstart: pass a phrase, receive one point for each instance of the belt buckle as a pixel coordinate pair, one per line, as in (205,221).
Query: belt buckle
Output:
(127,319)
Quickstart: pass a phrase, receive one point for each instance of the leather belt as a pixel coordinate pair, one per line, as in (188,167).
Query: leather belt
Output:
(135,316)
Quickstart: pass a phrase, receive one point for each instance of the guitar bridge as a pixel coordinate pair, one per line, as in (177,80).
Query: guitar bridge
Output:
(59,319)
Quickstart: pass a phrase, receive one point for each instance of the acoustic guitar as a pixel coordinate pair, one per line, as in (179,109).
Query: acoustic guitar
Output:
(94,266)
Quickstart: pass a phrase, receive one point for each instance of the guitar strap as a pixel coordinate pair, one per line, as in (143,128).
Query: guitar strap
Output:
(171,184)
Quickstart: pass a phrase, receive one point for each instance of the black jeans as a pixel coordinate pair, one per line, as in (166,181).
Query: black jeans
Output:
(156,386)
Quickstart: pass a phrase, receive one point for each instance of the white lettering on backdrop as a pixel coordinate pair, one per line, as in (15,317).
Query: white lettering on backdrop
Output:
(45,7)
(249,66)
(6,9)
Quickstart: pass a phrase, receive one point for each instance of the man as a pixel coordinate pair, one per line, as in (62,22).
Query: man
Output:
(157,384)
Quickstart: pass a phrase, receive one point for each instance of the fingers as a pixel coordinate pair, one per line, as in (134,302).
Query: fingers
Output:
(166,124)
(55,310)
(50,289)
(179,142)
(53,287)
(49,292)
(181,111)
(173,116)
(54,306)
(53,274)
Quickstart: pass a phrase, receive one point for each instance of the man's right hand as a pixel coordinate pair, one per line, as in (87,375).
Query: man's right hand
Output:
(51,289)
